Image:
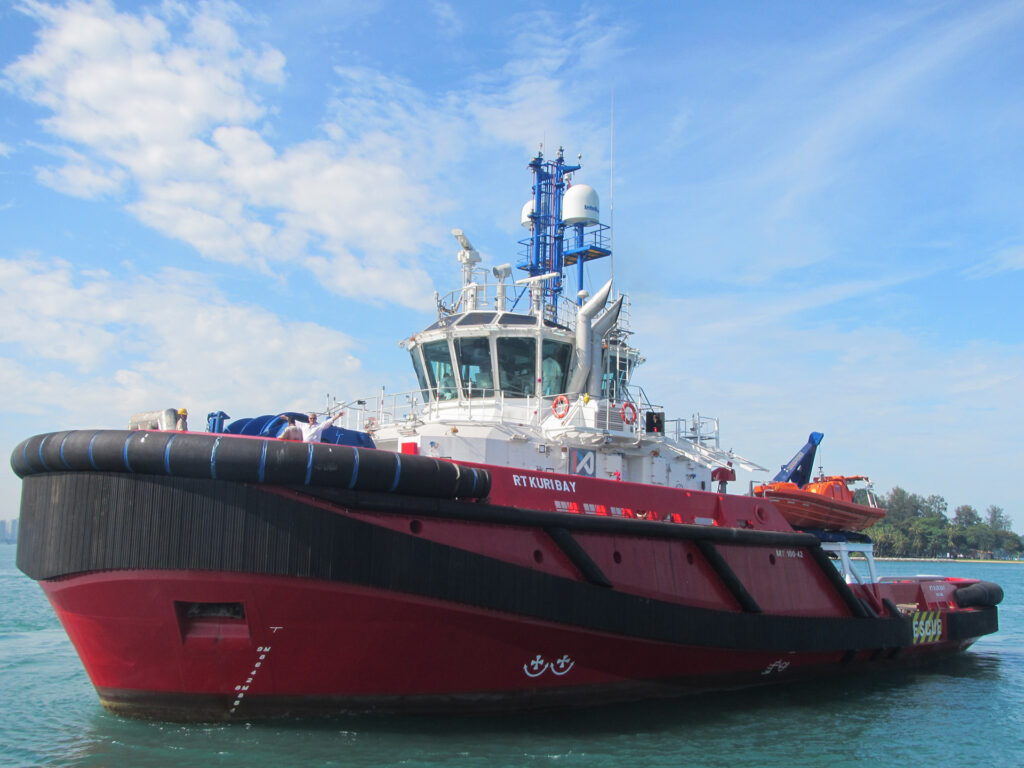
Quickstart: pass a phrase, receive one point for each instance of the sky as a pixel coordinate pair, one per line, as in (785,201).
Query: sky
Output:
(818,210)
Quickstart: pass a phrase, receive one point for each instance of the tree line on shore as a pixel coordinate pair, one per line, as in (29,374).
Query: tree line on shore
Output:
(917,526)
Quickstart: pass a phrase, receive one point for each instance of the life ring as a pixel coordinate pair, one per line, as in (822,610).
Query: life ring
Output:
(560,407)
(628,413)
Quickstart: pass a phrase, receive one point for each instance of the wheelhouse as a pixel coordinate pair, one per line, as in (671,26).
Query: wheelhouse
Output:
(490,354)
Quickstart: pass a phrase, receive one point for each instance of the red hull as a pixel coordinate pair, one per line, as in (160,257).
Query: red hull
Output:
(324,648)
(195,598)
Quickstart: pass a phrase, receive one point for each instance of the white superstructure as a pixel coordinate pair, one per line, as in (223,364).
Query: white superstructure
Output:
(513,373)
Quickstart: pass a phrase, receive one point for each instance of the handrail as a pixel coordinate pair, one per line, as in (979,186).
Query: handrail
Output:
(486,297)
(494,406)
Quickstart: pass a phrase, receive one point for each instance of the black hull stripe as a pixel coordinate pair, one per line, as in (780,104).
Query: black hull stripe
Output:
(81,522)
(705,537)
(584,563)
(855,605)
(728,577)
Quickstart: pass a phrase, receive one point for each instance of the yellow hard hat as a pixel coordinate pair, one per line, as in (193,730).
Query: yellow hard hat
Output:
(182,412)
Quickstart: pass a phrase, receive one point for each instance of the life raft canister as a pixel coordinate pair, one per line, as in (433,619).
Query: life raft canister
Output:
(628,413)
(560,407)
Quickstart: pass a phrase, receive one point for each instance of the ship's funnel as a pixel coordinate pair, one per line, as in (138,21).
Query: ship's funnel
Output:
(600,327)
(584,334)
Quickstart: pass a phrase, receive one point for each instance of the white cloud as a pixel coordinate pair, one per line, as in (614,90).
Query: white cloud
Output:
(5,150)
(161,106)
(137,104)
(81,177)
(117,82)
(104,347)
(549,81)
(43,314)
(448,20)
(894,405)
(793,162)
(870,95)
(173,117)
(1010,259)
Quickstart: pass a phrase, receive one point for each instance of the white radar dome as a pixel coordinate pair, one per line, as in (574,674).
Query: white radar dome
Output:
(580,205)
(527,212)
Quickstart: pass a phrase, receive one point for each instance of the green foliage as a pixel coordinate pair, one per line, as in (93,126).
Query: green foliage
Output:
(918,527)
(965,515)
(997,519)
(935,507)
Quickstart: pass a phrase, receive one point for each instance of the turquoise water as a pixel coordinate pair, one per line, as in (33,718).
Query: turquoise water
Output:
(966,712)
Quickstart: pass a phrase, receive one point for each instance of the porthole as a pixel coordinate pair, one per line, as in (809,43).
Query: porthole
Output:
(538,556)
(771,559)
(617,557)
(415,526)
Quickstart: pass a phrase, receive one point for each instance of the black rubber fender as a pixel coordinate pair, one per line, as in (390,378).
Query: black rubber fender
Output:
(248,460)
(981,594)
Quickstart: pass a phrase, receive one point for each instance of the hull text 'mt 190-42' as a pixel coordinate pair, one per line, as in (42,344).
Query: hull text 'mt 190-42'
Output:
(524,530)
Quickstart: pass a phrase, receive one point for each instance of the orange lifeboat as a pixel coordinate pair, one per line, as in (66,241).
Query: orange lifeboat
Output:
(825,502)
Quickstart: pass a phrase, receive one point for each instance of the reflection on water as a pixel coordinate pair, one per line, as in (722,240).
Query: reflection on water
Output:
(840,722)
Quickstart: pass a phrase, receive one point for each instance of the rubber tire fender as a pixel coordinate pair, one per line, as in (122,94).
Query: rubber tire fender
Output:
(982,594)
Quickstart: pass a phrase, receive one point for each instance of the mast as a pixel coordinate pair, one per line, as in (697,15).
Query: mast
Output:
(564,229)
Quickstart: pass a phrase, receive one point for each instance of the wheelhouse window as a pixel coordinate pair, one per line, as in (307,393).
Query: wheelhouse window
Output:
(440,371)
(615,380)
(517,364)
(555,356)
(417,364)
(474,358)
(477,318)
(509,318)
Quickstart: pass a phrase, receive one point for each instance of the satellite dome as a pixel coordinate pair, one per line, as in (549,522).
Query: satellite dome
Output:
(527,212)
(581,206)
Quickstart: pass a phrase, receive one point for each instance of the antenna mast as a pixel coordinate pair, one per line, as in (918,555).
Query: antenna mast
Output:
(564,229)
(611,194)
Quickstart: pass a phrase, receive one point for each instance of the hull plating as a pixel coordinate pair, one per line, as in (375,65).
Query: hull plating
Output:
(323,648)
(203,599)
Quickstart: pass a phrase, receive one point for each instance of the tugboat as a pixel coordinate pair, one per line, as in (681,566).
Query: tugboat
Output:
(524,530)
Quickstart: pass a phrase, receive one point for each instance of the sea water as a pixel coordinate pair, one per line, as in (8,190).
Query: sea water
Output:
(967,711)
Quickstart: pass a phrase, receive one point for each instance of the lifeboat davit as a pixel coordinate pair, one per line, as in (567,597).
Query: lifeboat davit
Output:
(825,502)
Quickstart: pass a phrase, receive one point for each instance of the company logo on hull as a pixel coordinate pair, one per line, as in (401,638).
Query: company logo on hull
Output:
(538,665)
(776,666)
(582,462)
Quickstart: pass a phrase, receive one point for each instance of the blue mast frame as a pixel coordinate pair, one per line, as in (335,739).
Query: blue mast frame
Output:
(546,249)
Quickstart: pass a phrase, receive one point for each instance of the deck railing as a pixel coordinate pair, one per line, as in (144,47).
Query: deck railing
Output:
(620,418)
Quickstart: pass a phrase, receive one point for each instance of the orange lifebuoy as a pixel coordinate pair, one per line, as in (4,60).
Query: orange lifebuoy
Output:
(560,407)
(628,413)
